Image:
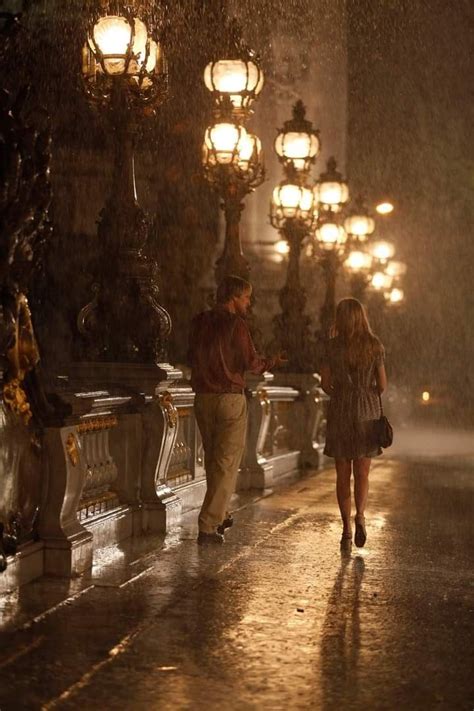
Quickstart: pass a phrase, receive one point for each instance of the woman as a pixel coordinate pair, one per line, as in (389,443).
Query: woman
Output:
(353,375)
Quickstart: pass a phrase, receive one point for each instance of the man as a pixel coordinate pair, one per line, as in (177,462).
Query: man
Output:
(220,351)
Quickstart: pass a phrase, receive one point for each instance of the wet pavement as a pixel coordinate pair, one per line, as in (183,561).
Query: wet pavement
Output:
(274,619)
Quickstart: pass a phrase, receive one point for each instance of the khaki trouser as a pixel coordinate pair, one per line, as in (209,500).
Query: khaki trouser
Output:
(222,421)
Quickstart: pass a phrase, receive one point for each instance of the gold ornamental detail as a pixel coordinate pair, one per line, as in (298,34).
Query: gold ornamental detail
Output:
(72,449)
(264,400)
(166,401)
(100,423)
(22,357)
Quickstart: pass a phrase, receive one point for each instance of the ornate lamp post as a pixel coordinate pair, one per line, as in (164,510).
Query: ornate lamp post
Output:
(331,189)
(331,245)
(125,75)
(293,212)
(232,157)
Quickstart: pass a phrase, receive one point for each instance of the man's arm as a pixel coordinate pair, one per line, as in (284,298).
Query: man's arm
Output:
(251,360)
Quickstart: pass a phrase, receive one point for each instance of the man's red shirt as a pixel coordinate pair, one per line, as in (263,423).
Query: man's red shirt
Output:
(220,351)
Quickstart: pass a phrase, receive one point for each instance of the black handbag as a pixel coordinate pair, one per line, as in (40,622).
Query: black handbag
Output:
(383,429)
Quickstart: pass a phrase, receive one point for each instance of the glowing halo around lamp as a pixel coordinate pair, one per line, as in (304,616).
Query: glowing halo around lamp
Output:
(358,261)
(282,247)
(330,235)
(382,250)
(395,268)
(395,296)
(384,208)
(381,281)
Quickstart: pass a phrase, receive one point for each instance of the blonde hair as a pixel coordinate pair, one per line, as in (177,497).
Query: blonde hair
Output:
(361,346)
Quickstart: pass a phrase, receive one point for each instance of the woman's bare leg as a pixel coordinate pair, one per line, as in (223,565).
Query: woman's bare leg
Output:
(343,490)
(361,485)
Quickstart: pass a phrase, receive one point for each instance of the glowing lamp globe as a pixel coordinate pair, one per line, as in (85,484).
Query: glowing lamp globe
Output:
(221,143)
(293,200)
(396,269)
(382,250)
(249,150)
(122,46)
(358,261)
(395,296)
(330,235)
(381,281)
(384,208)
(282,247)
(239,80)
(331,189)
(297,143)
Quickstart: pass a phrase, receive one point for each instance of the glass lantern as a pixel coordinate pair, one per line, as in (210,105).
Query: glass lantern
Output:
(297,143)
(381,281)
(222,143)
(237,79)
(330,235)
(359,225)
(358,262)
(122,46)
(382,250)
(292,202)
(331,189)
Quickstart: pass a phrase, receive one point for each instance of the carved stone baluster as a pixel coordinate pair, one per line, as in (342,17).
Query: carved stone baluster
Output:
(68,545)
(161,507)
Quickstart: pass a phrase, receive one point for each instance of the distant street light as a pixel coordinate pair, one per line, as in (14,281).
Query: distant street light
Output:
(384,208)
(331,189)
(359,264)
(297,144)
(330,250)
(359,224)
(125,74)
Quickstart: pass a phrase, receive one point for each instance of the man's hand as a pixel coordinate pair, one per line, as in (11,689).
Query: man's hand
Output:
(281,359)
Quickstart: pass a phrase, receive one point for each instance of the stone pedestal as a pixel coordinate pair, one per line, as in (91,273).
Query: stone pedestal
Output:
(309,424)
(256,472)
(67,544)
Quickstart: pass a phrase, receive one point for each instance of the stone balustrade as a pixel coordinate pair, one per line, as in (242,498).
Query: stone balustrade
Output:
(125,464)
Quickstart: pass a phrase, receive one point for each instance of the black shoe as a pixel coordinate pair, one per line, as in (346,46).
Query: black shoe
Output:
(360,532)
(206,539)
(226,523)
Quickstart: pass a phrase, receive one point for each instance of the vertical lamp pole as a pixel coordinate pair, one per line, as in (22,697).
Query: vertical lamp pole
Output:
(331,238)
(292,212)
(232,156)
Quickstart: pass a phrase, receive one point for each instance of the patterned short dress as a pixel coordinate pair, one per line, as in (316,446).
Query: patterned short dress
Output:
(353,407)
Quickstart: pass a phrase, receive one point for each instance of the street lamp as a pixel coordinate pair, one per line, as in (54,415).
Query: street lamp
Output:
(125,74)
(232,157)
(331,245)
(293,211)
(233,165)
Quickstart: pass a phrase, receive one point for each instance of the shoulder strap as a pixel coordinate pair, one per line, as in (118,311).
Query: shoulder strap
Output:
(381,406)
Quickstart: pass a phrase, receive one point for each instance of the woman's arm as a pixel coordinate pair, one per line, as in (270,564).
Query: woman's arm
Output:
(381,378)
(326,380)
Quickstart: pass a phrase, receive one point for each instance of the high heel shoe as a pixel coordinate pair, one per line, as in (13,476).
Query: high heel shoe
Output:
(360,532)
